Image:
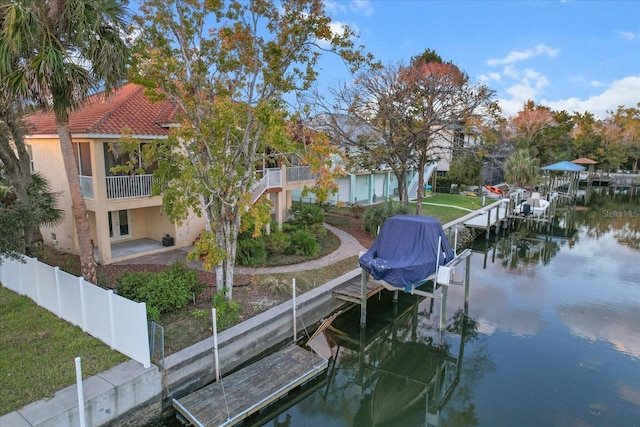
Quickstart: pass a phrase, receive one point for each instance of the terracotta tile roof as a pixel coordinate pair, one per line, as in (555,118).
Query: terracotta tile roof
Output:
(584,161)
(126,107)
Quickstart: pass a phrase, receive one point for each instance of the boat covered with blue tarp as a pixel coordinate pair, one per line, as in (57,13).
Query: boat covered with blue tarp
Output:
(405,253)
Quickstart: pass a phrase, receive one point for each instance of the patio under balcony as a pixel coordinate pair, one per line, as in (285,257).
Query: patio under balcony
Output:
(130,249)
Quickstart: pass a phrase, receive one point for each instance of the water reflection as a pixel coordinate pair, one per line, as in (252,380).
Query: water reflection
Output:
(619,325)
(392,372)
(620,216)
(554,338)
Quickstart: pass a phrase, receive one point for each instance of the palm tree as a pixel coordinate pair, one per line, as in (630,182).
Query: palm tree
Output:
(520,168)
(18,216)
(55,53)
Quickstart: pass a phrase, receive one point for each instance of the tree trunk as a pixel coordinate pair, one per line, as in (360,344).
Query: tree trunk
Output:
(421,166)
(17,169)
(79,209)
(401,176)
(227,238)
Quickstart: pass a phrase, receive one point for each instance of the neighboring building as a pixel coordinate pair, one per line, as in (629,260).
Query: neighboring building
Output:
(125,221)
(358,186)
(367,187)
(453,138)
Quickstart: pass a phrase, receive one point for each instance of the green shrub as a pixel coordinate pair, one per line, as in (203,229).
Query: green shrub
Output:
(179,272)
(277,286)
(306,215)
(375,215)
(289,227)
(251,251)
(277,242)
(304,243)
(226,311)
(153,314)
(356,210)
(132,284)
(162,292)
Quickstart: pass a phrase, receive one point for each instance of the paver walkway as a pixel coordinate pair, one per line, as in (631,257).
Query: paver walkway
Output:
(349,246)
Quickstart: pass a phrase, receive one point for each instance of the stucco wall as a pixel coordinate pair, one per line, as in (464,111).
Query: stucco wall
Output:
(47,160)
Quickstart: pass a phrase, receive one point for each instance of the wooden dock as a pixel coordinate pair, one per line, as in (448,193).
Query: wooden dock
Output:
(352,291)
(488,218)
(235,397)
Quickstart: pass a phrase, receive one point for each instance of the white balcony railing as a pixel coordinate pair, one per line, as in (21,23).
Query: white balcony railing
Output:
(124,187)
(299,173)
(271,178)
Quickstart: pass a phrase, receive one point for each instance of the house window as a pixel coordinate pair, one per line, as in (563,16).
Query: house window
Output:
(458,139)
(83,158)
(30,152)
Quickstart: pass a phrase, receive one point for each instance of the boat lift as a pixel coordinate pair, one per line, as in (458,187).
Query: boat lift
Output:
(443,277)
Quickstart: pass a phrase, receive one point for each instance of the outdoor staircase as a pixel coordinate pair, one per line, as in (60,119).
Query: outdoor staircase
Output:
(412,190)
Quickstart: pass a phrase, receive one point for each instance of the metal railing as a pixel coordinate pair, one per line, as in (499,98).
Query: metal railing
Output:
(123,187)
(299,173)
(272,178)
(156,345)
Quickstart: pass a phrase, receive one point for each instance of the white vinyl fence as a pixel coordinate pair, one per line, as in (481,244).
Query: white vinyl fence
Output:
(117,321)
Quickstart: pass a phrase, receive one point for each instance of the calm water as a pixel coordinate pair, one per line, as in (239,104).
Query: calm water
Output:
(552,339)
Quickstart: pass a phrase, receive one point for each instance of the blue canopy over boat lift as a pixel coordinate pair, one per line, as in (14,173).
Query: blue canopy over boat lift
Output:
(563,178)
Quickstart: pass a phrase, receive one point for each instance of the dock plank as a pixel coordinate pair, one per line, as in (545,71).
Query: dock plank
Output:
(480,221)
(248,390)
(352,292)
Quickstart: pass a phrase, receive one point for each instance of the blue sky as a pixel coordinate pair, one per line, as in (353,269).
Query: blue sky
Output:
(575,55)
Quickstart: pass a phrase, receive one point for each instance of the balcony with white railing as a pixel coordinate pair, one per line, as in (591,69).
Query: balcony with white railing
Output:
(271,178)
(125,187)
(299,173)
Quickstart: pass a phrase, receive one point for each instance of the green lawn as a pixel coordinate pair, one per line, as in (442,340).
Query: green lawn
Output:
(452,204)
(444,214)
(469,202)
(37,352)
(37,349)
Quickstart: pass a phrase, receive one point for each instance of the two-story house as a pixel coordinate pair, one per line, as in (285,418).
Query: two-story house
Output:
(380,183)
(452,138)
(125,220)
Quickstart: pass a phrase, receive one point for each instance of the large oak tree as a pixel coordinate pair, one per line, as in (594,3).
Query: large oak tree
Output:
(409,108)
(228,65)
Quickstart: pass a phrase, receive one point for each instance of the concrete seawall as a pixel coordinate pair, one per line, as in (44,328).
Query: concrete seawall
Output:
(127,391)
(129,395)
(193,367)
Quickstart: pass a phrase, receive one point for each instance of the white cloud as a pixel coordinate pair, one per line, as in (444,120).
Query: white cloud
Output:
(490,77)
(361,6)
(596,83)
(535,79)
(521,92)
(511,71)
(521,55)
(628,35)
(529,84)
(334,7)
(621,92)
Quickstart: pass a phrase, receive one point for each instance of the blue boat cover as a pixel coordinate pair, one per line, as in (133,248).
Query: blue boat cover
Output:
(405,251)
